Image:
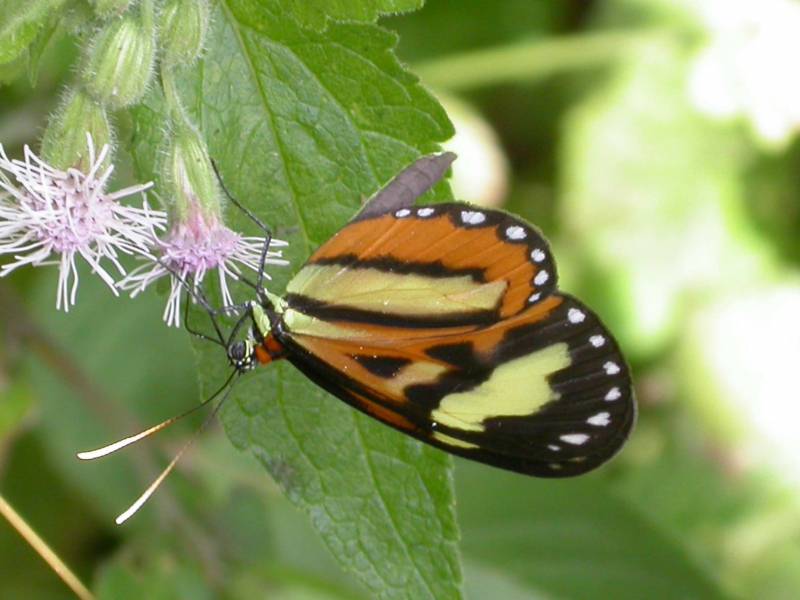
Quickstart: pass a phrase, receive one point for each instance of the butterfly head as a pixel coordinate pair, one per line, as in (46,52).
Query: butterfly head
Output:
(242,355)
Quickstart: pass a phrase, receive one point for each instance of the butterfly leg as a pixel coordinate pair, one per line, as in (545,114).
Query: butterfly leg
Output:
(196,293)
(239,324)
(213,313)
(259,223)
(192,330)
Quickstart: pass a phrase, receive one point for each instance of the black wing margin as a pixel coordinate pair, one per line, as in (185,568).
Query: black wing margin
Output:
(587,422)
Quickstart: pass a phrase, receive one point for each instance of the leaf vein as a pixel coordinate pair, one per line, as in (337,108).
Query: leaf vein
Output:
(384,504)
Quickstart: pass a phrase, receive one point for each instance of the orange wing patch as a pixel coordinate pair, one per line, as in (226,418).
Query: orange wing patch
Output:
(388,360)
(453,238)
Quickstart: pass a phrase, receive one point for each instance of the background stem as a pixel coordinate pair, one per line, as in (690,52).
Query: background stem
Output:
(43,550)
(529,60)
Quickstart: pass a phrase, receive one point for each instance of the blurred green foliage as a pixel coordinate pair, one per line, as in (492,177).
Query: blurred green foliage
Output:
(661,215)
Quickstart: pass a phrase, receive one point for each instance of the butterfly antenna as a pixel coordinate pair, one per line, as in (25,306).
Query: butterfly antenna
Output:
(140,501)
(111,448)
(133,508)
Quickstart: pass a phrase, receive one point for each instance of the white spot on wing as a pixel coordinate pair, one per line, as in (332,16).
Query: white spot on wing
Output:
(554,466)
(515,232)
(597,340)
(576,316)
(403,212)
(601,419)
(534,297)
(472,217)
(611,368)
(538,255)
(575,439)
(613,394)
(541,277)
(425,212)
(554,448)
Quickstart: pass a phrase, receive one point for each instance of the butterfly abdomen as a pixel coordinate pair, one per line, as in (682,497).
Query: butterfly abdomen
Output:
(269,350)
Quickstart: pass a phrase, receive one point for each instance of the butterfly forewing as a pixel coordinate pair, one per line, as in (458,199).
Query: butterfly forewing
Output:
(426,266)
(444,322)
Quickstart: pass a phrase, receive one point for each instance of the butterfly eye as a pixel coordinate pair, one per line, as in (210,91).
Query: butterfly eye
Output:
(237,352)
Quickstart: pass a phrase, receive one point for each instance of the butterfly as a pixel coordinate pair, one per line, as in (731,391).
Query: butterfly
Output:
(445,322)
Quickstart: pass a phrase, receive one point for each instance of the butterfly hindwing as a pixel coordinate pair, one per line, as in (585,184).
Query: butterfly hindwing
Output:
(443,321)
(546,392)
(557,401)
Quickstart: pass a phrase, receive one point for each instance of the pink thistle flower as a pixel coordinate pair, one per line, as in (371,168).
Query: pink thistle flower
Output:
(191,249)
(49,216)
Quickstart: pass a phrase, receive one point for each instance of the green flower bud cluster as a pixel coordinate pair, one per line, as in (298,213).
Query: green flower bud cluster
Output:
(183,31)
(186,170)
(188,174)
(117,69)
(108,8)
(64,141)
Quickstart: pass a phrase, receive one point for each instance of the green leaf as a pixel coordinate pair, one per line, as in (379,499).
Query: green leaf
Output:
(20,22)
(304,125)
(382,503)
(316,13)
(297,565)
(573,539)
(49,33)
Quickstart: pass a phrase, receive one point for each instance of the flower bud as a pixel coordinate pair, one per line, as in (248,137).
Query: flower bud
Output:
(119,64)
(183,30)
(64,141)
(108,8)
(187,170)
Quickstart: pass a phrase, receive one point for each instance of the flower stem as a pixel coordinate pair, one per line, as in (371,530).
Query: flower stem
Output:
(47,554)
(170,88)
(528,61)
(147,13)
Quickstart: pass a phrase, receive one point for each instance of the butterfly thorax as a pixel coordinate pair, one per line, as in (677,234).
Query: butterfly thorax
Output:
(266,347)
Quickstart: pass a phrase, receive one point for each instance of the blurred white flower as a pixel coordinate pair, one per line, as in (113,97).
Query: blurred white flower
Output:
(49,216)
(748,66)
(742,353)
(480,175)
